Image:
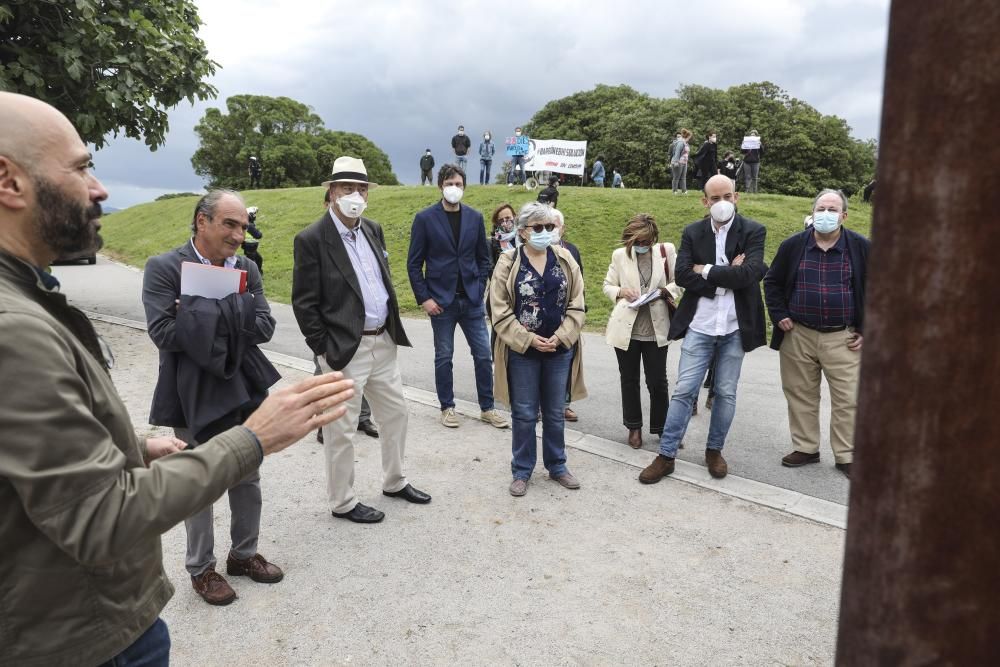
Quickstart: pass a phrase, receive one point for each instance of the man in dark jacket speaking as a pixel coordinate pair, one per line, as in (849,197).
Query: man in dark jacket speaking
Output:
(212,376)
(84,500)
(720,265)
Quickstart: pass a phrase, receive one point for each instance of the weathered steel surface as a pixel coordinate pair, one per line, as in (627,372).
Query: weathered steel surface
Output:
(922,561)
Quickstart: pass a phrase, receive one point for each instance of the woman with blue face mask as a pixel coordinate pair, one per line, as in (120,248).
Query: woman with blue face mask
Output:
(536,306)
(639,334)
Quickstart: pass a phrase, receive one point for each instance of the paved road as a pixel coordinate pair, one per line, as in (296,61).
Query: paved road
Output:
(757,441)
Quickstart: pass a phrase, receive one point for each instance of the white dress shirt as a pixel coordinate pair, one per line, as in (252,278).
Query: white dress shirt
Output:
(717,317)
(366,268)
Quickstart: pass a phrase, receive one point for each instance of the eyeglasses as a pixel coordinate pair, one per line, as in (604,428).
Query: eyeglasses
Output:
(538,228)
(505,220)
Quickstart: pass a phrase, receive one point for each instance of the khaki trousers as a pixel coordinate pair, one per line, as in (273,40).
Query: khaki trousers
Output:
(804,354)
(376,376)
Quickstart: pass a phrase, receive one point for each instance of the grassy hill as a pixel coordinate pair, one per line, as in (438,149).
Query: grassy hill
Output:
(594,220)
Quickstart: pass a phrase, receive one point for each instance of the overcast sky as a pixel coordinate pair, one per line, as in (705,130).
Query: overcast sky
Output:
(405,74)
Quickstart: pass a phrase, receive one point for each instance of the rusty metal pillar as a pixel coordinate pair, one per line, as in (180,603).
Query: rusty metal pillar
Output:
(922,562)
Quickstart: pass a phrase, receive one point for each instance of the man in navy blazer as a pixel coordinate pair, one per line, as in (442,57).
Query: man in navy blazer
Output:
(449,265)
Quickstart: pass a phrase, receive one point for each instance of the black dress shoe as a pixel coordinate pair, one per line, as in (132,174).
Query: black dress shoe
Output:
(368,428)
(361,514)
(410,494)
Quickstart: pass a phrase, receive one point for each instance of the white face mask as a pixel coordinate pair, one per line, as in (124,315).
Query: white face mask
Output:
(452,194)
(722,211)
(641,249)
(353,205)
(518,133)
(486,136)
(826,222)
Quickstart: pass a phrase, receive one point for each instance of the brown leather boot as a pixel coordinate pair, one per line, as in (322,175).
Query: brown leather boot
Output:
(635,438)
(657,470)
(212,588)
(717,467)
(256,567)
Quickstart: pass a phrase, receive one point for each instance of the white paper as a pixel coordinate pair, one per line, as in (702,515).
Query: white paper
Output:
(750,143)
(211,282)
(651,295)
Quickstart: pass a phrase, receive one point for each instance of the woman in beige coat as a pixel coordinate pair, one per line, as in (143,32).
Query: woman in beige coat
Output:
(536,305)
(639,334)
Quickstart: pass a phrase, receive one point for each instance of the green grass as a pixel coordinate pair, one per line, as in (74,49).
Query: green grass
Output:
(594,220)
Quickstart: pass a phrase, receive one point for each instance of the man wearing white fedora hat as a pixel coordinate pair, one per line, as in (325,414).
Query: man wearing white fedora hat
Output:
(346,307)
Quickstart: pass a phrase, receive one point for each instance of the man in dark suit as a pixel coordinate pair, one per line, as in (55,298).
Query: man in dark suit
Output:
(449,265)
(720,265)
(346,307)
(188,396)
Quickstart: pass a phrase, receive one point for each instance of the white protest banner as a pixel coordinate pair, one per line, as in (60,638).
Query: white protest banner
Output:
(556,155)
(750,142)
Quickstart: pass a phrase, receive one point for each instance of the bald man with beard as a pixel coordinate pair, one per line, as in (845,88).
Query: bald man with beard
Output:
(84,499)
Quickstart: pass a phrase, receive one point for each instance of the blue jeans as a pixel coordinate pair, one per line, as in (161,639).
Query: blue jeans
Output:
(484,171)
(472,319)
(151,649)
(517,169)
(461,161)
(696,355)
(538,381)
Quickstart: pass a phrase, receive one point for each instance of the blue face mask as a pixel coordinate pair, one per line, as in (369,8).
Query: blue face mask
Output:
(540,240)
(826,222)
(641,249)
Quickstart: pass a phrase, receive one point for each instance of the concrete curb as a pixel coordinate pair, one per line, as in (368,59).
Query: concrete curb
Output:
(785,500)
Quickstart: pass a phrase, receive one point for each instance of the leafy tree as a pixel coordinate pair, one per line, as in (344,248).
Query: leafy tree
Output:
(110,65)
(286,136)
(805,150)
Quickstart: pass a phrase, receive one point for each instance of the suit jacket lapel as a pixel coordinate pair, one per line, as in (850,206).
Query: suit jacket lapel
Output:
(733,237)
(338,253)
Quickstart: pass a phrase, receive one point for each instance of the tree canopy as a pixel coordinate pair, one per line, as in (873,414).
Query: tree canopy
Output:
(805,151)
(286,136)
(110,65)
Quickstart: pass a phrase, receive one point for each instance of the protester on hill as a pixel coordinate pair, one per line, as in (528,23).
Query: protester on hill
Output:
(597,172)
(85,499)
(640,335)
(254,170)
(720,265)
(707,158)
(517,162)
(426,169)
(551,192)
(460,143)
(616,179)
(679,151)
(486,151)
(728,166)
(815,293)
(449,266)
(751,165)
(537,307)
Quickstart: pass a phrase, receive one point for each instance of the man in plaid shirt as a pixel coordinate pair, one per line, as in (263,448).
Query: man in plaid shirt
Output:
(815,293)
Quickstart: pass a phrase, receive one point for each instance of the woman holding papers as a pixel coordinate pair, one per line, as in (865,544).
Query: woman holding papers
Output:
(640,282)
(536,304)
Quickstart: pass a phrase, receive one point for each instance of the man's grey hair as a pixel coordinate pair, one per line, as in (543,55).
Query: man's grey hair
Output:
(532,213)
(831,191)
(210,202)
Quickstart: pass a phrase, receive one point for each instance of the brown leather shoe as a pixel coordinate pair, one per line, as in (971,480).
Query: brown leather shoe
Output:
(635,438)
(796,459)
(256,567)
(570,416)
(657,470)
(717,467)
(212,588)
(844,468)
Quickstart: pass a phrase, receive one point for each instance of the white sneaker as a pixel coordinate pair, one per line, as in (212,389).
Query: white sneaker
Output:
(449,418)
(494,418)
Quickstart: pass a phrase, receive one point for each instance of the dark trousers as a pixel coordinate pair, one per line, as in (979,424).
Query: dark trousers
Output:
(254,181)
(653,359)
(151,649)
(426,177)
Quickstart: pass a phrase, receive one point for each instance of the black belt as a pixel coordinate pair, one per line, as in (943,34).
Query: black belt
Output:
(373,332)
(823,329)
